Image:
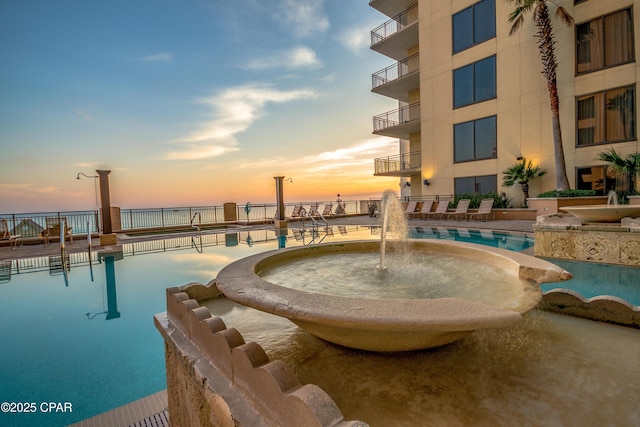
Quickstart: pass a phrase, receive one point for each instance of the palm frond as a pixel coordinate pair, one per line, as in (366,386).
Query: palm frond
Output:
(564,16)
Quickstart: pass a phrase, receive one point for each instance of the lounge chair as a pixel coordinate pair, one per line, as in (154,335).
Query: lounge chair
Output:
(313,210)
(297,211)
(442,207)
(424,209)
(53,229)
(484,210)
(411,208)
(461,210)
(5,234)
(327,210)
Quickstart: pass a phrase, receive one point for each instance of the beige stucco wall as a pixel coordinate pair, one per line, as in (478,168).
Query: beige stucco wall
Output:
(522,103)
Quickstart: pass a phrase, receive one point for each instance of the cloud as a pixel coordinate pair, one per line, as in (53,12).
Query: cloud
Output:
(26,189)
(299,57)
(234,110)
(356,39)
(304,17)
(158,57)
(82,114)
(361,153)
(359,156)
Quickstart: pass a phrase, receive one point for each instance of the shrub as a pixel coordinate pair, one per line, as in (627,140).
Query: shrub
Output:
(567,193)
(476,198)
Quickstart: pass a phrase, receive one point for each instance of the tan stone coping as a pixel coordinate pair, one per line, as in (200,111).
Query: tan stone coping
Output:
(604,308)
(239,381)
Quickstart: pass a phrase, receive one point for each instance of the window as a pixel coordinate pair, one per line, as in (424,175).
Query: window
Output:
(476,184)
(475,82)
(606,117)
(602,179)
(475,140)
(474,25)
(605,42)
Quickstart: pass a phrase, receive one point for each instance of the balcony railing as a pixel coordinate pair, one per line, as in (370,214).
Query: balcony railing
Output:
(397,117)
(398,163)
(394,25)
(395,71)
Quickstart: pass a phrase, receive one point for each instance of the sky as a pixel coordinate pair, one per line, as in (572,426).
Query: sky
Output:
(188,102)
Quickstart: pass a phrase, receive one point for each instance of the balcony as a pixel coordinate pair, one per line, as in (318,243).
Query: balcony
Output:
(398,123)
(391,7)
(405,164)
(397,80)
(396,36)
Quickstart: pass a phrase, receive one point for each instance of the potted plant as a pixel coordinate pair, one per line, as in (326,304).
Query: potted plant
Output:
(521,173)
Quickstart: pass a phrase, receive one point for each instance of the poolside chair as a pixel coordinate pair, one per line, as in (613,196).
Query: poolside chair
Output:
(442,207)
(461,210)
(53,229)
(5,234)
(297,211)
(411,208)
(424,209)
(313,210)
(327,210)
(484,210)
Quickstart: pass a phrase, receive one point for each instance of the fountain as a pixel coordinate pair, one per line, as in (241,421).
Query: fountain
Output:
(401,319)
(611,212)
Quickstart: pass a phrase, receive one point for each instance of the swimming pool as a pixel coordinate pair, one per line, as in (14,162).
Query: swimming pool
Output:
(591,280)
(60,347)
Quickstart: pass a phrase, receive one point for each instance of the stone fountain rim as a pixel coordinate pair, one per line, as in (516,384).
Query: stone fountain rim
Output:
(613,213)
(240,282)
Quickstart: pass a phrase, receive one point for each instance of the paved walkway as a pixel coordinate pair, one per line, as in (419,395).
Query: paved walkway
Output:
(80,245)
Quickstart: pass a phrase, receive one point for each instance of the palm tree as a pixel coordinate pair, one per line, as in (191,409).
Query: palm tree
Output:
(546,42)
(629,165)
(522,173)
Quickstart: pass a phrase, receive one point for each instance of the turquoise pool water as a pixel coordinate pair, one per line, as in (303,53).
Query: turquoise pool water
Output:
(60,347)
(591,280)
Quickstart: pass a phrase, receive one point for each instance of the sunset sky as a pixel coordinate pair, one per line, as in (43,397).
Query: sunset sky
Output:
(188,102)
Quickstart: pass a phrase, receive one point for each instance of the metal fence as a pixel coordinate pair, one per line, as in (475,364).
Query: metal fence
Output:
(30,225)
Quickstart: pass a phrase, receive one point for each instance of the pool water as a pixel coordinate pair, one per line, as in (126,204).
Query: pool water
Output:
(591,280)
(59,346)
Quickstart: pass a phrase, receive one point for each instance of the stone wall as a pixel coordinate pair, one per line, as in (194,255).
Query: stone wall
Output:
(216,379)
(557,237)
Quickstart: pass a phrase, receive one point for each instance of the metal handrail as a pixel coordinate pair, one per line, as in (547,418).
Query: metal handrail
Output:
(395,24)
(395,71)
(198,226)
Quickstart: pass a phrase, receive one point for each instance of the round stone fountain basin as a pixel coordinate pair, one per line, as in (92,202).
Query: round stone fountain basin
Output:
(387,325)
(603,213)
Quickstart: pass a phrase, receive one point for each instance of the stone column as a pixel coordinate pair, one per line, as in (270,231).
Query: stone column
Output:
(279,221)
(107,237)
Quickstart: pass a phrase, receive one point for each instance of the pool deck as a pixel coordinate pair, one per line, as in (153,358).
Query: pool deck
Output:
(80,245)
(152,410)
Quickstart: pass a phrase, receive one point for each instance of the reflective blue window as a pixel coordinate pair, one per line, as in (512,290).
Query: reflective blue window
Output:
(474,25)
(475,82)
(475,140)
